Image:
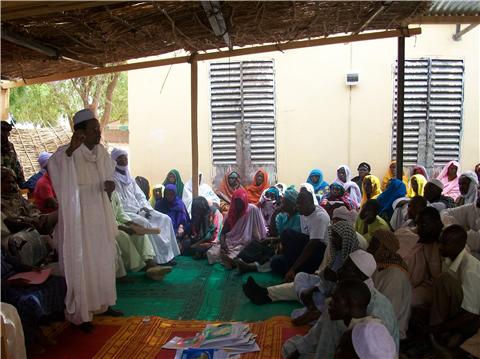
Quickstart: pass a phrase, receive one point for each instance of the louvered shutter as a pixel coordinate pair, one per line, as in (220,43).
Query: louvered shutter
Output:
(446,109)
(243,92)
(432,112)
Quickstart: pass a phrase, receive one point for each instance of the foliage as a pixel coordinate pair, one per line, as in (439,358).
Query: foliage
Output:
(107,95)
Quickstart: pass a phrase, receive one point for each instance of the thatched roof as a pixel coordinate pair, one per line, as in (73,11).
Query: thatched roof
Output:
(30,142)
(105,33)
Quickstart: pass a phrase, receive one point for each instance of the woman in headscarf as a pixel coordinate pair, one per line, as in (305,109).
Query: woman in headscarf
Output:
(309,188)
(336,197)
(395,189)
(313,289)
(156,193)
(370,188)
(229,184)
(416,185)
(364,170)
(144,185)
(204,190)
(269,201)
(244,223)
(205,231)
(174,207)
(420,170)
(344,176)
(392,173)
(315,178)
(392,277)
(173,177)
(468,184)
(449,177)
(259,184)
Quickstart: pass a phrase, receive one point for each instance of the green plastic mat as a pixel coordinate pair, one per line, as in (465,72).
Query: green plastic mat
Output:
(197,290)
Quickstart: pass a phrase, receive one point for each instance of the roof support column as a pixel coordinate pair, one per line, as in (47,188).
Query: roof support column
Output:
(5,104)
(194,120)
(400,104)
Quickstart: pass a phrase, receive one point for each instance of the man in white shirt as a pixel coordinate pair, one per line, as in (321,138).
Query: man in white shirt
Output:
(303,252)
(455,311)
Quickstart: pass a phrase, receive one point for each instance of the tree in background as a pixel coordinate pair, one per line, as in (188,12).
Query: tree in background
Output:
(106,95)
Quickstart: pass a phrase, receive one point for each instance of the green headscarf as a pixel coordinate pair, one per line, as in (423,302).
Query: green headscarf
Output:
(178,182)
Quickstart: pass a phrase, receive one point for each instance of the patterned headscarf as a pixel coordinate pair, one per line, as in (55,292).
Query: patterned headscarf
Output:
(386,254)
(349,240)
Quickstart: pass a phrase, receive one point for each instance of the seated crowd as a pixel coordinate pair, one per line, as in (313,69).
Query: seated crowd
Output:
(378,266)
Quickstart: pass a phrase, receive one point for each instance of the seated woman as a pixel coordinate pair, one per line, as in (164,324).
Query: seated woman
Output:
(204,190)
(395,189)
(144,185)
(468,184)
(337,197)
(229,184)
(449,177)
(368,221)
(33,302)
(244,223)
(173,177)
(392,173)
(174,207)
(370,188)
(259,184)
(156,194)
(205,231)
(364,170)
(315,178)
(269,201)
(416,185)
(285,217)
(344,178)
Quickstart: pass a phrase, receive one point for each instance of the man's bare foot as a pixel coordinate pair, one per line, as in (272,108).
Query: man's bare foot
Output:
(150,263)
(307,318)
(244,267)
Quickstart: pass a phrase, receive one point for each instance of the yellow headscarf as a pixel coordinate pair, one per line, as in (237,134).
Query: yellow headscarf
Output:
(389,176)
(421,181)
(376,191)
(152,197)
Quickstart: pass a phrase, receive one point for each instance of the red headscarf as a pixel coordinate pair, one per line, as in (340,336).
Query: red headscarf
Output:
(254,191)
(233,216)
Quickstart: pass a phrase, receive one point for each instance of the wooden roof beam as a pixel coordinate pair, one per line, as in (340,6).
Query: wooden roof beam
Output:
(218,55)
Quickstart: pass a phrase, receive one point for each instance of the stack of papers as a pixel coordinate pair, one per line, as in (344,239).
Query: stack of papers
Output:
(224,340)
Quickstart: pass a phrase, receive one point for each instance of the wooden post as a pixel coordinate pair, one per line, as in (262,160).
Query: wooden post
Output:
(194,120)
(5,105)
(400,104)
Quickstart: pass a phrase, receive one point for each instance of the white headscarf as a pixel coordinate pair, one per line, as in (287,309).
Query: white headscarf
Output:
(471,195)
(124,178)
(310,189)
(351,187)
(204,190)
(281,188)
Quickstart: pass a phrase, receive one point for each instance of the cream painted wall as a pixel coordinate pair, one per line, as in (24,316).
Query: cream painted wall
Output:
(321,122)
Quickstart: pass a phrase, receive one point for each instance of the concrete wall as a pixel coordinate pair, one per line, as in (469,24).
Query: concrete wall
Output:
(321,122)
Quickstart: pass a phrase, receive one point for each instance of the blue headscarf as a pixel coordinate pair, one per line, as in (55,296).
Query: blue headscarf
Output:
(321,184)
(395,189)
(176,209)
(274,190)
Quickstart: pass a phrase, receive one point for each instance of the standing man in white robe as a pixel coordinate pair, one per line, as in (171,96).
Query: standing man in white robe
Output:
(138,208)
(82,173)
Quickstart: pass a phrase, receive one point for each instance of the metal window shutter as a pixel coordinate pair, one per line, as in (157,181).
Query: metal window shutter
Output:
(446,109)
(433,111)
(243,91)
(415,109)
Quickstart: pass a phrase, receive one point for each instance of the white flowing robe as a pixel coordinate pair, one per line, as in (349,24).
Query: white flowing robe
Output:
(204,190)
(86,230)
(133,199)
